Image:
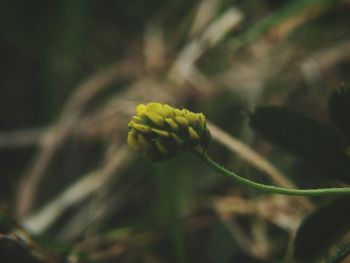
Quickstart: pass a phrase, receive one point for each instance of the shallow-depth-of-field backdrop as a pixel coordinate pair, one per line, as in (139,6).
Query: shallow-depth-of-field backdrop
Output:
(71,74)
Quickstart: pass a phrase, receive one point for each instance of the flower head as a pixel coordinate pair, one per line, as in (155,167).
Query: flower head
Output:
(159,131)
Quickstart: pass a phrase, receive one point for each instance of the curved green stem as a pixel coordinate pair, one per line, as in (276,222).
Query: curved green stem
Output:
(270,188)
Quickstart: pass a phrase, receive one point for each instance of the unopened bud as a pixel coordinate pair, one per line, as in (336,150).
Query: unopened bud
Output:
(160,131)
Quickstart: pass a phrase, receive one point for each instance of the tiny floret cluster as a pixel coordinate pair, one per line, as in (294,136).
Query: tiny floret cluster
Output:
(159,131)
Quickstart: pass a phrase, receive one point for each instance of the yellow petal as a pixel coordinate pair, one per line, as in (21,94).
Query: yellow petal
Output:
(154,107)
(155,118)
(163,110)
(168,111)
(141,127)
(137,119)
(161,133)
(130,124)
(182,121)
(140,109)
(133,143)
(193,134)
(202,120)
(178,140)
(172,124)
(192,118)
(178,112)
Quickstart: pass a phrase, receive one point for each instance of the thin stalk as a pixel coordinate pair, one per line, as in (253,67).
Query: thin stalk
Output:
(270,188)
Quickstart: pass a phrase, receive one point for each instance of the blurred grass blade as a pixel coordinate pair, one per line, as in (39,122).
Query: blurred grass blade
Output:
(339,110)
(343,253)
(309,139)
(321,229)
(291,9)
(171,191)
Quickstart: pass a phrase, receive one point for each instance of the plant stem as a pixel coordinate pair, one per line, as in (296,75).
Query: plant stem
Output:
(270,188)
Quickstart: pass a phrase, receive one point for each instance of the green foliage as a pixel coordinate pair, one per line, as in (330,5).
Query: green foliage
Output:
(320,230)
(311,140)
(172,198)
(291,9)
(323,147)
(339,110)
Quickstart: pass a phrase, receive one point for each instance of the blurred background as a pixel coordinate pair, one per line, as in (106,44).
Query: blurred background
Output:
(71,74)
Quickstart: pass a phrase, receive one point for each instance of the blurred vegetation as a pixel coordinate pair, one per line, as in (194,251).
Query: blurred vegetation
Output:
(71,75)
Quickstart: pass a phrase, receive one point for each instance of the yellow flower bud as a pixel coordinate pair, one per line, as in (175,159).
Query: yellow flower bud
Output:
(160,131)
